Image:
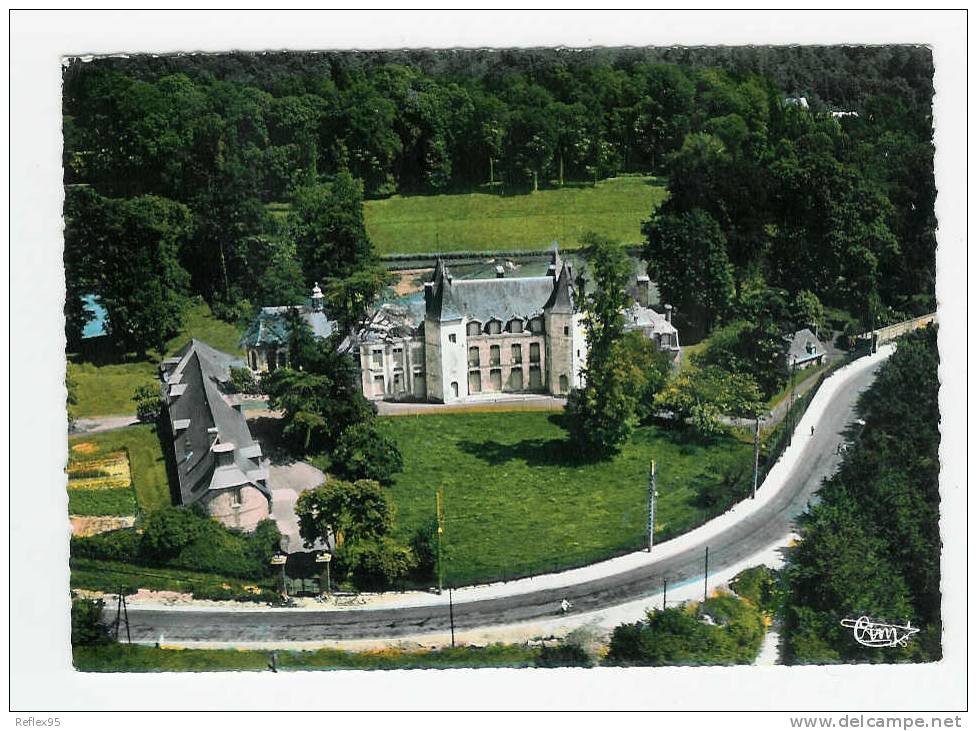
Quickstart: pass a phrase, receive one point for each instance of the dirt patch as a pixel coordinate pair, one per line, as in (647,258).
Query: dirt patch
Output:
(84,448)
(407,282)
(89,525)
(165,597)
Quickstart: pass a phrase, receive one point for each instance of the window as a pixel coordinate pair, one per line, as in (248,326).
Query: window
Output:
(566,330)
(474,327)
(398,383)
(473,359)
(495,379)
(474,381)
(236,498)
(254,361)
(377,358)
(452,338)
(535,377)
(515,326)
(536,325)
(399,358)
(378,386)
(494,327)
(517,354)
(564,384)
(534,352)
(515,379)
(454,389)
(495,355)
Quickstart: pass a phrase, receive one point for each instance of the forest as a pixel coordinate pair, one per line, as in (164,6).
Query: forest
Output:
(172,164)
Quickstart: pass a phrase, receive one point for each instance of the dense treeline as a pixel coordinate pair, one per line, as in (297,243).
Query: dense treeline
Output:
(871,546)
(840,207)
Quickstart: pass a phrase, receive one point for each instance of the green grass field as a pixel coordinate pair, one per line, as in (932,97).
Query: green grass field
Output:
(109,576)
(136,658)
(487,221)
(114,501)
(146,463)
(105,389)
(516,504)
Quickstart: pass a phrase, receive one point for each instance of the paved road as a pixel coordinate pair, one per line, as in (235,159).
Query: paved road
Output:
(750,535)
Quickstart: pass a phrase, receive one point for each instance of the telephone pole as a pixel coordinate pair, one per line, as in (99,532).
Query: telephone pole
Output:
(451,616)
(790,404)
(705,580)
(652,496)
(664,594)
(439,503)
(756,455)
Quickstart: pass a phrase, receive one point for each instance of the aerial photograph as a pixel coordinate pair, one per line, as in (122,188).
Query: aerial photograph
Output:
(502,358)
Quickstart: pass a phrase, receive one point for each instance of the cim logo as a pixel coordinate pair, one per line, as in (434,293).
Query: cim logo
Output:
(872,633)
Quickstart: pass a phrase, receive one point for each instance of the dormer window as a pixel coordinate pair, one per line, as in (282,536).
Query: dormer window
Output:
(474,327)
(536,325)
(494,327)
(515,325)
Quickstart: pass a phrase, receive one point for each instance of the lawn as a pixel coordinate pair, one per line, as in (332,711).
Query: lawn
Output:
(146,463)
(110,576)
(517,503)
(488,221)
(136,658)
(105,388)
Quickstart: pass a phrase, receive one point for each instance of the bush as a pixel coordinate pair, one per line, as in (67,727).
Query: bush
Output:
(168,531)
(149,403)
(244,381)
(114,545)
(363,453)
(377,563)
(758,585)
(87,627)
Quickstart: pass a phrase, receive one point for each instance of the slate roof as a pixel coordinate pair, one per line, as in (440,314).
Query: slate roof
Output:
(204,425)
(798,347)
(270,326)
(636,317)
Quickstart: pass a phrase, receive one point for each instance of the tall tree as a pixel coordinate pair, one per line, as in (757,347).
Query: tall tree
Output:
(687,258)
(604,412)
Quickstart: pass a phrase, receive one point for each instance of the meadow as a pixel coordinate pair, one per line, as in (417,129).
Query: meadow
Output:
(488,221)
(518,501)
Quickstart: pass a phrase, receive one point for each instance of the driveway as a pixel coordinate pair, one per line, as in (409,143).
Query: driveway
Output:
(287,481)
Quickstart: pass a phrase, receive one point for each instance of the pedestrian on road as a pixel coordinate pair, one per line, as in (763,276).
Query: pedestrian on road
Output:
(812,430)
(565,605)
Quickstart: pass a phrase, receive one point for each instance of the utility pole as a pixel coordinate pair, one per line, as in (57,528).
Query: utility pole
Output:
(451,616)
(125,613)
(664,593)
(756,455)
(439,506)
(790,404)
(705,580)
(652,495)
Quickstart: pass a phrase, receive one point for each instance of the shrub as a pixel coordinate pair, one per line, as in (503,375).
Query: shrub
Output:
(363,453)
(87,627)
(114,545)
(377,563)
(758,585)
(149,402)
(168,531)
(244,381)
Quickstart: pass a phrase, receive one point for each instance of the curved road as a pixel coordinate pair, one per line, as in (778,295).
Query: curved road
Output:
(751,535)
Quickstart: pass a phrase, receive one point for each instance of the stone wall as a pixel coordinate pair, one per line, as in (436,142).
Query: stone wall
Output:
(223,506)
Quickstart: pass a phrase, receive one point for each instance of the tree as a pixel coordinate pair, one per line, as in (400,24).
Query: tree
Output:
(807,311)
(687,258)
(348,299)
(363,452)
(327,223)
(149,402)
(604,412)
(757,350)
(167,531)
(701,395)
(337,512)
(87,625)
(650,366)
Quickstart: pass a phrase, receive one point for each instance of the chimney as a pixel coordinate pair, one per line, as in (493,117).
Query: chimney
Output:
(643,293)
(668,313)
(499,272)
(551,271)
